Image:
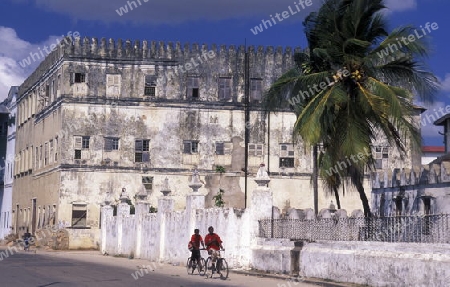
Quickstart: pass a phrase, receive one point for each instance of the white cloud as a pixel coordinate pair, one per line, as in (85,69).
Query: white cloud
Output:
(174,12)
(433,112)
(13,51)
(445,83)
(400,5)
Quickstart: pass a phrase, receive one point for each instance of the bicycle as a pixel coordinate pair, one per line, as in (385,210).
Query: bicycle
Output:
(221,267)
(191,265)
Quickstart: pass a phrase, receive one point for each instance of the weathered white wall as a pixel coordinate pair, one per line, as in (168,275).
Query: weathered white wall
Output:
(378,264)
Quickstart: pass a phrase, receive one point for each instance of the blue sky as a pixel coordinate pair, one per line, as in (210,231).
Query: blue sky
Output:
(28,25)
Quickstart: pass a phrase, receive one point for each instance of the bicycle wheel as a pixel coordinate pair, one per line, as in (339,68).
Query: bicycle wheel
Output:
(202,267)
(222,266)
(208,268)
(189,266)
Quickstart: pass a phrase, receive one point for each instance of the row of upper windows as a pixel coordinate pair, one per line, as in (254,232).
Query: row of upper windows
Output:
(45,94)
(142,149)
(113,86)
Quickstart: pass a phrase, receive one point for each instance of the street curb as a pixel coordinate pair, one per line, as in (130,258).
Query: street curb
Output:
(315,281)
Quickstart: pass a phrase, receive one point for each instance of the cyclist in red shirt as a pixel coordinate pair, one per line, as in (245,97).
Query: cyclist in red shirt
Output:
(213,245)
(196,240)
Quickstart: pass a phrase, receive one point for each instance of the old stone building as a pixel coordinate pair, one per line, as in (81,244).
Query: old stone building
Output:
(98,115)
(7,138)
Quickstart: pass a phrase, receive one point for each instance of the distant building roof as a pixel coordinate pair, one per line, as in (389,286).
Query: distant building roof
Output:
(441,120)
(433,149)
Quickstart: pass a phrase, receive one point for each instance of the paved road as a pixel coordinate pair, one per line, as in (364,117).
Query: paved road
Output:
(89,268)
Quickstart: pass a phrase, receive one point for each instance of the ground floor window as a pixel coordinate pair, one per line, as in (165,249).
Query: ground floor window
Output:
(79,215)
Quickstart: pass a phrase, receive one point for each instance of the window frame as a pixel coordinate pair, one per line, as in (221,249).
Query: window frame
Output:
(256,89)
(142,150)
(193,87)
(150,85)
(111,144)
(190,146)
(224,88)
(79,78)
(81,210)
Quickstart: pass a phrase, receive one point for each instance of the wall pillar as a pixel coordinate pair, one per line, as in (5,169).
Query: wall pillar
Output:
(107,213)
(261,202)
(165,205)
(141,210)
(123,210)
(194,201)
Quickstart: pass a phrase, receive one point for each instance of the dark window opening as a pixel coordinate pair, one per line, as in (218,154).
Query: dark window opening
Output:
(286,162)
(80,77)
(150,91)
(190,147)
(77,154)
(220,148)
(195,93)
(193,87)
(150,85)
(398,205)
(79,213)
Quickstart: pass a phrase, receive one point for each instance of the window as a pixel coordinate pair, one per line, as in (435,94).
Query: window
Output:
(381,157)
(112,85)
(223,148)
(150,85)
(52,150)
(40,156)
(79,78)
(255,89)
(287,155)
(4,129)
(80,143)
(147,181)
(111,144)
(85,143)
(45,154)
(141,151)
(193,87)
(220,148)
(224,88)
(47,95)
(255,149)
(79,212)
(56,149)
(190,147)
(286,162)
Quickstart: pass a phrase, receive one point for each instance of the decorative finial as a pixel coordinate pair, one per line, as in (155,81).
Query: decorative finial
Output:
(195,182)
(165,189)
(262,177)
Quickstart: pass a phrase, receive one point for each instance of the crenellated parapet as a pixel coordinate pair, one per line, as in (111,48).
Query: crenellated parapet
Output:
(229,57)
(433,173)
(160,50)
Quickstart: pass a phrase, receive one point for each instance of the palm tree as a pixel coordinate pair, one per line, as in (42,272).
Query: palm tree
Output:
(372,94)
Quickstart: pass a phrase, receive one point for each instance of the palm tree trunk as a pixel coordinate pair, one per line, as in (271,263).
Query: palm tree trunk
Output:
(336,195)
(315,180)
(362,195)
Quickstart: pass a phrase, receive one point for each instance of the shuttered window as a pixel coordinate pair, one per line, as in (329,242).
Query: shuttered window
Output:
(142,150)
(224,88)
(79,215)
(255,89)
(193,87)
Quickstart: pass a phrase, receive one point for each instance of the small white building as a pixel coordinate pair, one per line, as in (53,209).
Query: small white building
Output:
(430,153)
(7,162)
